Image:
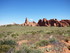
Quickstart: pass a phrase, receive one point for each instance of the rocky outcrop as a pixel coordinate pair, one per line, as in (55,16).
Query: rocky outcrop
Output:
(53,22)
(45,22)
(67,21)
(27,23)
(64,23)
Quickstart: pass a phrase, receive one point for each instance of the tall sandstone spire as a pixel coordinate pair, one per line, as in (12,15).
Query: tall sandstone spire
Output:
(26,21)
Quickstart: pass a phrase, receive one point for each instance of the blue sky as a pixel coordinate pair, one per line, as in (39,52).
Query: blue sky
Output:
(17,10)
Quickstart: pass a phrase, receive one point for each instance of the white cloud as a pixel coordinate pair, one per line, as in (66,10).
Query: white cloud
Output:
(31,19)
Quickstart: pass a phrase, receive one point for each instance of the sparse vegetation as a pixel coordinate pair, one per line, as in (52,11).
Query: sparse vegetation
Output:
(37,37)
(4,48)
(42,43)
(5,45)
(27,49)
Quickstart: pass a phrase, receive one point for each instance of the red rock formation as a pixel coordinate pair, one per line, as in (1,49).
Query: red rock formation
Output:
(45,22)
(68,21)
(54,22)
(27,23)
(40,22)
(64,23)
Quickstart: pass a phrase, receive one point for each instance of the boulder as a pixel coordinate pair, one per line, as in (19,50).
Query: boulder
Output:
(55,22)
(40,22)
(64,23)
(43,22)
(68,21)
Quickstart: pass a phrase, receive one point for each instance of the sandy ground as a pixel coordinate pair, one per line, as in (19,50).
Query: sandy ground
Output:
(65,50)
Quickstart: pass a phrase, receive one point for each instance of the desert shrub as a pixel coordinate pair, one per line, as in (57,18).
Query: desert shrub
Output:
(57,45)
(40,31)
(36,51)
(7,42)
(66,34)
(4,34)
(41,37)
(59,32)
(4,48)
(1,42)
(8,33)
(33,32)
(27,49)
(14,35)
(49,32)
(6,45)
(18,51)
(8,25)
(68,31)
(1,35)
(33,46)
(27,33)
(42,43)
(52,40)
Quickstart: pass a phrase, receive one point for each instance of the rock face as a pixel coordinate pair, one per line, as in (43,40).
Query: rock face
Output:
(53,22)
(64,23)
(45,22)
(27,23)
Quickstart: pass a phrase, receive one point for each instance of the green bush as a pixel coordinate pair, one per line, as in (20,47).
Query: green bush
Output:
(41,31)
(42,43)
(49,32)
(4,48)
(1,35)
(14,35)
(33,46)
(1,42)
(7,42)
(30,32)
(66,34)
(53,40)
(8,33)
(9,25)
(6,45)
(27,49)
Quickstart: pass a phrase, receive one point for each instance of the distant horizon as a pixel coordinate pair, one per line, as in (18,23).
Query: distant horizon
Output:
(32,21)
(15,11)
